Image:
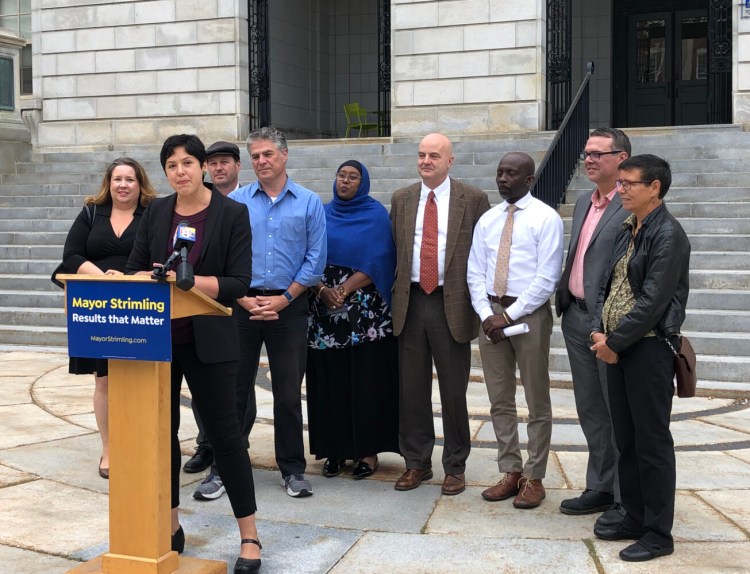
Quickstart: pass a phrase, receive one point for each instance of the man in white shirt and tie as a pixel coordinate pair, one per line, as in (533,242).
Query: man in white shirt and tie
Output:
(514,266)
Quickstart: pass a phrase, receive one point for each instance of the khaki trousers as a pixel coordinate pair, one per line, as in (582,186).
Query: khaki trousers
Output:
(530,352)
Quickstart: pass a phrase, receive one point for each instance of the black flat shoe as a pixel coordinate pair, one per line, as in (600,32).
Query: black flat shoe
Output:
(200,461)
(364,470)
(103,472)
(616,532)
(248,565)
(612,516)
(333,468)
(641,552)
(178,541)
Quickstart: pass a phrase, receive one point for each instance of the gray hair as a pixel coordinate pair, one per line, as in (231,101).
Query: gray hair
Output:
(268,133)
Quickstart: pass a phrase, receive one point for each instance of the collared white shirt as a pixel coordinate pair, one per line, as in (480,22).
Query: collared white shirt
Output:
(443,198)
(536,253)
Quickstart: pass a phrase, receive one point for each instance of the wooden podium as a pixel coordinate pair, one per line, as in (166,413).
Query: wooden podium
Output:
(139,446)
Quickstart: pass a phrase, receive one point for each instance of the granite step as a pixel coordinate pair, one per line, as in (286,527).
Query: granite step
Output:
(29,335)
(43,201)
(716,367)
(33,224)
(29,282)
(700,196)
(33,238)
(30,251)
(41,299)
(681,210)
(32,316)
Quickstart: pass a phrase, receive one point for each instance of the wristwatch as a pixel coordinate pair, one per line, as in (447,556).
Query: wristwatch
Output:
(288,296)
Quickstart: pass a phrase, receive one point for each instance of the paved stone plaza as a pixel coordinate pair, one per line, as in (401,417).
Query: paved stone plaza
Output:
(53,505)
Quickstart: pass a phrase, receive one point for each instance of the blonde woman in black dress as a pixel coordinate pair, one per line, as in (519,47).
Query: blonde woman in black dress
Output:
(100,242)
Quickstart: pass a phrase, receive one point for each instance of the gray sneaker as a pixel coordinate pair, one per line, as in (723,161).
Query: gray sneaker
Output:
(210,489)
(297,485)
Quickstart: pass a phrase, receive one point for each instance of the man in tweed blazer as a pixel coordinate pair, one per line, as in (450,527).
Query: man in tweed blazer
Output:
(438,325)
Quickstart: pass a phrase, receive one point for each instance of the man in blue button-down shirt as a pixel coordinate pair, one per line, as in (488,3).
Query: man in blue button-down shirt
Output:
(289,254)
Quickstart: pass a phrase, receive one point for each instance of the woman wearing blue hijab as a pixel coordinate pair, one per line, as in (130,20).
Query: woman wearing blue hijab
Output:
(352,363)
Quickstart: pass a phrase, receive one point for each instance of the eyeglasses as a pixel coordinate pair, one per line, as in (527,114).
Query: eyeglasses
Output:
(626,185)
(597,155)
(348,177)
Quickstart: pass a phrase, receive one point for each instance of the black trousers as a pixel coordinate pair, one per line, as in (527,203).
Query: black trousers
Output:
(640,389)
(212,387)
(286,346)
(425,337)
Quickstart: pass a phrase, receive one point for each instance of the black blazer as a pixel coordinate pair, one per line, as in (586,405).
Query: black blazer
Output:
(226,252)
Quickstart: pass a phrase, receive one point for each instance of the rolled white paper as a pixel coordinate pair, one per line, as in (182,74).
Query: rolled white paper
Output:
(519,329)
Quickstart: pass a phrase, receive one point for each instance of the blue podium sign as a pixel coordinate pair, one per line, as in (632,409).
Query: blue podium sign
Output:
(111,320)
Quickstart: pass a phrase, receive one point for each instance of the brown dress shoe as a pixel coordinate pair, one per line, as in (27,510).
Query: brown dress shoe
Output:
(507,487)
(412,478)
(453,484)
(531,493)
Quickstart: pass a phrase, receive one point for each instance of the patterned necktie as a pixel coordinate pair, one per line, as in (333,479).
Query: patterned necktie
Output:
(503,254)
(428,255)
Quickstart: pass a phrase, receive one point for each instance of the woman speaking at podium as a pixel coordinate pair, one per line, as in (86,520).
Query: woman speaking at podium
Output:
(205,349)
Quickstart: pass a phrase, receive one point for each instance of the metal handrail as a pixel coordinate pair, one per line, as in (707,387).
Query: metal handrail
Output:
(559,164)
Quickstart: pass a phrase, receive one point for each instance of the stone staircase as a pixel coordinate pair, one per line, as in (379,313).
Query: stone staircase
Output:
(710,194)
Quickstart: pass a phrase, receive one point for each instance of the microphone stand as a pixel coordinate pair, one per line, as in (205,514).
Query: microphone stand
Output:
(185,279)
(160,273)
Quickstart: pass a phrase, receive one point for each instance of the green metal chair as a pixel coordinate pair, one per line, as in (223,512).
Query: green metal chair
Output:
(356,117)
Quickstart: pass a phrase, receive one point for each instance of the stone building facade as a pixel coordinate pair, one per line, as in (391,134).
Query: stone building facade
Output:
(113,73)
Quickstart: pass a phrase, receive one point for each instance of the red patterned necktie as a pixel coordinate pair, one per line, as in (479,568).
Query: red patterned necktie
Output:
(428,255)
(503,254)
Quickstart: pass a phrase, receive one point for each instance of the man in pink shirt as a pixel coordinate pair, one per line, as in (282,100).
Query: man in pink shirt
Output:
(597,219)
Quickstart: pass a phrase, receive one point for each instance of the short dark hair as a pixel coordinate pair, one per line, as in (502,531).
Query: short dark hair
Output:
(620,140)
(192,144)
(652,168)
(273,135)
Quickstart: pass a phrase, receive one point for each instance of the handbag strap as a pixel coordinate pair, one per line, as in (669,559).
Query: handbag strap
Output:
(92,215)
(676,354)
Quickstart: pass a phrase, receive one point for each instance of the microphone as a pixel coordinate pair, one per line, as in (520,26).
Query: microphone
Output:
(183,243)
(184,237)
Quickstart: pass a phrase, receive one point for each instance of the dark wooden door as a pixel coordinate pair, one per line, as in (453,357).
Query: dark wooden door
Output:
(668,68)
(691,68)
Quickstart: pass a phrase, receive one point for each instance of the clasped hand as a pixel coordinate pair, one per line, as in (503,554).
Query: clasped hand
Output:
(603,352)
(493,328)
(331,298)
(263,308)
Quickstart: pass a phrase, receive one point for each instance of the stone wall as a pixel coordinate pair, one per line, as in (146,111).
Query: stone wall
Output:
(741,65)
(468,67)
(129,72)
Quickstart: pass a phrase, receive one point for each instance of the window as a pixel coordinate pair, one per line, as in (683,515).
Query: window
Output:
(15,15)
(6,84)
